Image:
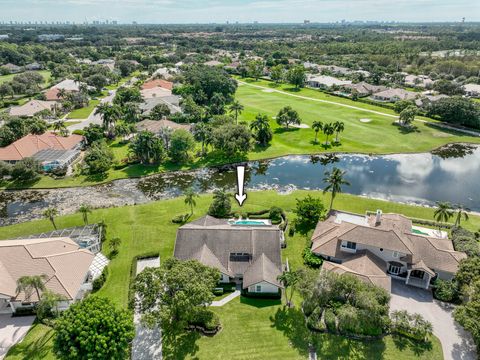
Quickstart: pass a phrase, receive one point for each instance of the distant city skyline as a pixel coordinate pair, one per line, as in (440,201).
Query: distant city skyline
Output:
(243,11)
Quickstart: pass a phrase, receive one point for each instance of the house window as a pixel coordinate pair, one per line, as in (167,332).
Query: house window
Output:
(394,269)
(351,245)
(396,254)
(259,288)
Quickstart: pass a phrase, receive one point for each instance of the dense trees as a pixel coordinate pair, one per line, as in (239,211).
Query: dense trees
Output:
(181,143)
(15,128)
(172,294)
(93,328)
(232,139)
(147,148)
(98,158)
(288,116)
(296,76)
(456,110)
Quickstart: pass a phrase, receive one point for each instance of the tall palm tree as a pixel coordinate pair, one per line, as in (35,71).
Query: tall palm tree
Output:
(28,284)
(289,279)
(61,94)
(261,127)
(85,209)
(237,108)
(461,212)
(110,114)
(50,214)
(317,126)
(201,132)
(328,130)
(334,180)
(443,212)
(190,196)
(59,126)
(339,127)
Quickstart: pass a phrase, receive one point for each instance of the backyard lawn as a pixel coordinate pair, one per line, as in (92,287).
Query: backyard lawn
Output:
(84,112)
(148,228)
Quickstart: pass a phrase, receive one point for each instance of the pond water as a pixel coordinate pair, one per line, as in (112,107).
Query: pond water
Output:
(449,175)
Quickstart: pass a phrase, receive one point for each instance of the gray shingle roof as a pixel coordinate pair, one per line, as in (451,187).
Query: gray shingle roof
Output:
(261,270)
(223,239)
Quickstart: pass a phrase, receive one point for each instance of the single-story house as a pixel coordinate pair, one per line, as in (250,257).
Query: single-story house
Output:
(156,91)
(172,101)
(64,264)
(157,83)
(51,159)
(393,95)
(108,63)
(325,82)
(244,251)
(164,73)
(30,145)
(379,247)
(33,66)
(363,89)
(32,107)
(425,99)
(155,126)
(68,85)
(12,68)
(472,90)
(418,81)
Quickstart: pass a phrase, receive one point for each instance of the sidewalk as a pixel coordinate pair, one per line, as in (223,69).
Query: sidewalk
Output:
(226,299)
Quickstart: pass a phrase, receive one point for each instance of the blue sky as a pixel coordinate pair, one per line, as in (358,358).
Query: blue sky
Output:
(207,11)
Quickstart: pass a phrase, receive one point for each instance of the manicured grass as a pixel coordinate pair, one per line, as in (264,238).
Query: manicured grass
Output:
(84,112)
(45,73)
(37,345)
(254,331)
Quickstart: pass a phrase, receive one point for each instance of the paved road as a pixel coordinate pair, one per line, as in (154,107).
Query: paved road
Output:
(12,331)
(147,344)
(457,344)
(92,118)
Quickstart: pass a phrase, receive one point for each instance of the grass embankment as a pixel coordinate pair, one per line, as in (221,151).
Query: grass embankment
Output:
(258,330)
(379,136)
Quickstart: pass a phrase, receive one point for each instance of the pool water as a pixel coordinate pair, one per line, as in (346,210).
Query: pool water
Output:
(248,222)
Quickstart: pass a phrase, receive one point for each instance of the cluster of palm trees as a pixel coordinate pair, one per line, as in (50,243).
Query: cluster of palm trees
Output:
(328,130)
(445,211)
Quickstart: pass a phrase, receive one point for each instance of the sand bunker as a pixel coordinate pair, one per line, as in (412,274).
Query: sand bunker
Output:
(268,90)
(301,126)
(365,120)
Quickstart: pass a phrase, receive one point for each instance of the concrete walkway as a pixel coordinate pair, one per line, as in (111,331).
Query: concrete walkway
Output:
(12,331)
(226,299)
(457,344)
(147,344)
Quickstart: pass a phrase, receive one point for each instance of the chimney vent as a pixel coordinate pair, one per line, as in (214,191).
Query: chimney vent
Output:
(378,217)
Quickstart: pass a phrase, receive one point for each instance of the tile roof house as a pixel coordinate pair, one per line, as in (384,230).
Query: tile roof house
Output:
(68,85)
(32,107)
(154,92)
(324,81)
(472,90)
(379,247)
(246,252)
(31,144)
(363,88)
(155,126)
(64,264)
(172,101)
(393,95)
(157,83)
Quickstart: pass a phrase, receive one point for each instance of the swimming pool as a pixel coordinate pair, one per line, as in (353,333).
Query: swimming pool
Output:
(416,231)
(250,222)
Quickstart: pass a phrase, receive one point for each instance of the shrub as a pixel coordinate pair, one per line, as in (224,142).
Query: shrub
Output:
(330,320)
(315,321)
(310,259)
(180,219)
(27,169)
(446,290)
(59,171)
(78,132)
(218,291)
(349,320)
(308,210)
(99,281)
(464,240)
(411,325)
(205,318)
(221,205)
(275,214)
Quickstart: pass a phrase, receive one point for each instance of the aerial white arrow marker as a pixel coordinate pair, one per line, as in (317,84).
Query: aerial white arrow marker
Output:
(240,196)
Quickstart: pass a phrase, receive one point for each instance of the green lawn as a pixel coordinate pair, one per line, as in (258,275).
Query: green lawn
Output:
(84,112)
(45,73)
(254,331)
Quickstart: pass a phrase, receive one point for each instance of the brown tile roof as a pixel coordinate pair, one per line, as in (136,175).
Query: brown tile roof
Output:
(155,125)
(366,266)
(223,239)
(60,259)
(52,94)
(157,83)
(30,144)
(393,233)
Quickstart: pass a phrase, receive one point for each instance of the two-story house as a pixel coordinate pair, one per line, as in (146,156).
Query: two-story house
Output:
(379,247)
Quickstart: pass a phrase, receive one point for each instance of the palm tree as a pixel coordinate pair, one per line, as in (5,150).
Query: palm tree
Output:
(443,212)
(289,279)
(328,130)
(109,113)
(28,284)
(85,209)
(317,126)
(50,214)
(237,108)
(261,126)
(201,132)
(461,212)
(114,244)
(61,94)
(339,127)
(190,196)
(59,126)
(335,180)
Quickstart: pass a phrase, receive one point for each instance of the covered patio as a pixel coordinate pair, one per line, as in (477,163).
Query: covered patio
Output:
(419,275)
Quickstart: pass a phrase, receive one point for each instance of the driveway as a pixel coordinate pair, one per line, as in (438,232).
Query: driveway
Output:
(12,331)
(457,344)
